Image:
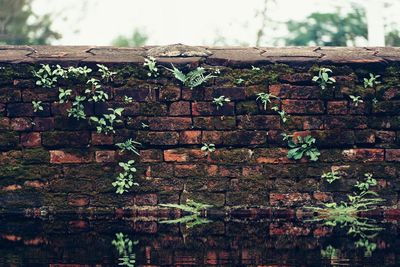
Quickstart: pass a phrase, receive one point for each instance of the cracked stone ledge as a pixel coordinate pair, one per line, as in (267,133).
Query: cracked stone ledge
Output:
(183,54)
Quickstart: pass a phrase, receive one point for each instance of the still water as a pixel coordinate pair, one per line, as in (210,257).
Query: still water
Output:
(71,242)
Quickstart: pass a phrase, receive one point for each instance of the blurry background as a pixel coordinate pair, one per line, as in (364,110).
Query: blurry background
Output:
(206,22)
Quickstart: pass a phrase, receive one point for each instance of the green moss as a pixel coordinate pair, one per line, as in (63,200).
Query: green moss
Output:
(153,109)
(267,74)
(9,72)
(36,155)
(8,140)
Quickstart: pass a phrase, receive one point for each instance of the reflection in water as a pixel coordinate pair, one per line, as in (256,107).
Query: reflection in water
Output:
(125,250)
(345,241)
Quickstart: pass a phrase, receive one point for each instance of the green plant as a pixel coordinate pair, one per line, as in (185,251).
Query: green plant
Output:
(303,146)
(151,64)
(105,72)
(37,106)
(106,123)
(193,208)
(144,125)
(282,113)
(255,68)
(265,99)
(192,79)
(208,148)
(356,100)
(239,81)
(46,77)
(129,145)
(331,176)
(124,180)
(77,110)
(323,78)
(79,71)
(220,101)
(94,93)
(128,99)
(63,95)
(124,246)
(371,81)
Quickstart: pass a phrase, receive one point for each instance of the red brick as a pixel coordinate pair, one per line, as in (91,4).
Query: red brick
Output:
(36,184)
(12,187)
(289,199)
(338,107)
(170,93)
(209,108)
(59,157)
(146,200)
(170,123)
(259,122)
(295,92)
(233,93)
(303,106)
(212,170)
(364,154)
(322,196)
(21,124)
(102,139)
(180,108)
(4,123)
(151,155)
(105,156)
(32,139)
(212,137)
(296,77)
(190,137)
(392,154)
(175,155)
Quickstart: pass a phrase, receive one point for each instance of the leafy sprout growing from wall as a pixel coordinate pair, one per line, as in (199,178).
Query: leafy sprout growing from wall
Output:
(323,78)
(193,78)
(124,246)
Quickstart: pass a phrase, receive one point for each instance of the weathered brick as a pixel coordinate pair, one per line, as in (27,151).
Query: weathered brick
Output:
(259,122)
(158,138)
(102,139)
(392,155)
(78,200)
(190,137)
(43,124)
(364,154)
(209,108)
(65,139)
(245,137)
(212,137)
(214,123)
(170,123)
(105,156)
(151,155)
(146,200)
(21,124)
(189,170)
(39,94)
(295,92)
(337,107)
(289,199)
(8,140)
(153,109)
(233,93)
(303,106)
(26,110)
(170,93)
(138,94)
(180,108)
(60,157)
(31,139)
(9,95)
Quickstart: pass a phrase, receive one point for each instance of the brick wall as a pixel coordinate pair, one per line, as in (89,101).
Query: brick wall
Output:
(55,163)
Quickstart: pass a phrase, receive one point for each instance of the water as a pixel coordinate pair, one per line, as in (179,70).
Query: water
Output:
(75,242)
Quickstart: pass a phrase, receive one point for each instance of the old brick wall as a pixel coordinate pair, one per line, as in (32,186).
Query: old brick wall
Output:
(50,162)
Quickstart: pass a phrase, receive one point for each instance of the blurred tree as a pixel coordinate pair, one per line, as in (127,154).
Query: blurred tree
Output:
(328,29)
(20,25)
(334,29)
(138,38)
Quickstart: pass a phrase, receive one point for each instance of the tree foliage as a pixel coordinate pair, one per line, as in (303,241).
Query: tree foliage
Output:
(20,25)
(138,38)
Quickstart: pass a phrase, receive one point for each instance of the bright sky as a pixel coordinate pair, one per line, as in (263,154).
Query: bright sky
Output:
(190,22)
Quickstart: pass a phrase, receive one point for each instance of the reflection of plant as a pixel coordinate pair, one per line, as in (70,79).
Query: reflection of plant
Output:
(193,208)
(124,246)
(106,123)
(124,179)
(208,148)
(150,63)
(323,78)
(330,253)
(220,101)
(192,79)
(331,176)
(371,81)
(129,145)
(37,106)
(302,146)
